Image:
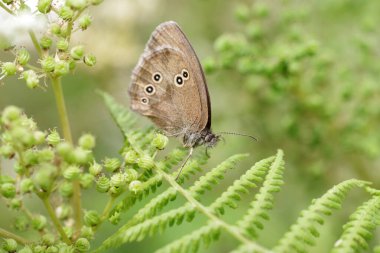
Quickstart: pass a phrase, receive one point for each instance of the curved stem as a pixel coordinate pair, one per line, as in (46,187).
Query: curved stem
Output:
(35,42)
(6,8)
(6,234)
(55,220)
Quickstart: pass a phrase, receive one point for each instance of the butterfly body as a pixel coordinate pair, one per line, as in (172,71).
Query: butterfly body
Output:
(168,86)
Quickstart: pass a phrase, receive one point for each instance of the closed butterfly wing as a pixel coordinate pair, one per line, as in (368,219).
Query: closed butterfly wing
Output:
(168,83)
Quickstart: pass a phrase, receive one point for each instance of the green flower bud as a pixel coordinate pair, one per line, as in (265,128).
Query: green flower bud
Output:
(62,45)
(86,180)
(10,245)
(91,218)
(26,249)
(77,52)
(45,176)
(118,180)
(8,69)
(131,175)
(81,156)
(8,190)
(52,249)
(30,157)
(26,185)
(66,13)
(31,79)
(82,245)
(135,186)
(45,155)
(64,149)
(90,60)
(22,222)
(39,249)
(6,179)
(7,151)
(96,2)
(10,114)
(64,211)
(160,141)
(48,239)
(61,68)
(47,64)
(16,204)
(44,6)
(23,56)
(111,164)
(115,218)
(76,4)
(19,169)
(39,137)
(260,10)
(85,21)
(68,231)
(23,136)
(72,173)
(39,222)
(146,162)
(87,141)
(64,248)
(45,42)
(87,232)
(95,168)
(66,189)
(102,184)
(116,190)
(130,157)
(55,28)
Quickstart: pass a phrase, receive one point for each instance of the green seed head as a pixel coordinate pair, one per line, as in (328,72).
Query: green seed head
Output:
(39,222)
(55,29)
(64,211)
(47,64)
(82,156)
(15,204)
(85,21)
(8,190)
(90,60)
(39,137)
(62,45)
(76,4)
(45,42)
(44,6)
(87,232)
(118,180)
(111,164)
(160,141)
(82,245)
(72,173)
(66,13)
(8,69)
(103,184)
(146,162)
(9,245)
(26,185)
(87,141)
(135,186)
(23,56)
(66,189)
(91,218)
(130,157)
(26,249)
(86,180)
(61,68)
(131,175)
(48,239)
(77,52)
(11,114)
(53,138)
(44,178)
(95,168)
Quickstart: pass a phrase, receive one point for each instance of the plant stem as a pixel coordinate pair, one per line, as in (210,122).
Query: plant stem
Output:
(35,42)
(6,8)
(55,220)
(107,208)
(6,234)
(232,230)
(61,107)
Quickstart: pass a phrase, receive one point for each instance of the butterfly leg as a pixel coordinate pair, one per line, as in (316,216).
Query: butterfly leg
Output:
(184,163)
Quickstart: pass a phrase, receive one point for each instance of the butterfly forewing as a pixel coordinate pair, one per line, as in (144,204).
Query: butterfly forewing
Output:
(168,85)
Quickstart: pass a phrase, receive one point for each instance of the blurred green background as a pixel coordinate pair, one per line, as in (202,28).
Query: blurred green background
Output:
(303,76)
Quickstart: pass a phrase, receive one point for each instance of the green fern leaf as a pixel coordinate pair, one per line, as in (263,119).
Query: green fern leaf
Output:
(303,233)
(252,176)
(264,199)
(191,242)
(149,227)
(250,248)
(359,230)
(119,113)
(214,176)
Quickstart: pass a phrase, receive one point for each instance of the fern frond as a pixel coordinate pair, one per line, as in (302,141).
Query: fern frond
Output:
(263,201)
(249,248)
(149,227)
(191,242)
(359,230)
(252,176)
(214,176)
(123,118)
(303,233)
(172,159)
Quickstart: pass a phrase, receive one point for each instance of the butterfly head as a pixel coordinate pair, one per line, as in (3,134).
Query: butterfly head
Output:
(205,137)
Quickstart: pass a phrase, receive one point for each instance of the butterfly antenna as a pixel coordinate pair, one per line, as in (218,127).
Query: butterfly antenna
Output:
(184,163)
(246,135)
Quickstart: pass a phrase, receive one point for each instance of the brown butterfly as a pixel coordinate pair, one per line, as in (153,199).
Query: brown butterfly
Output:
(169,87)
